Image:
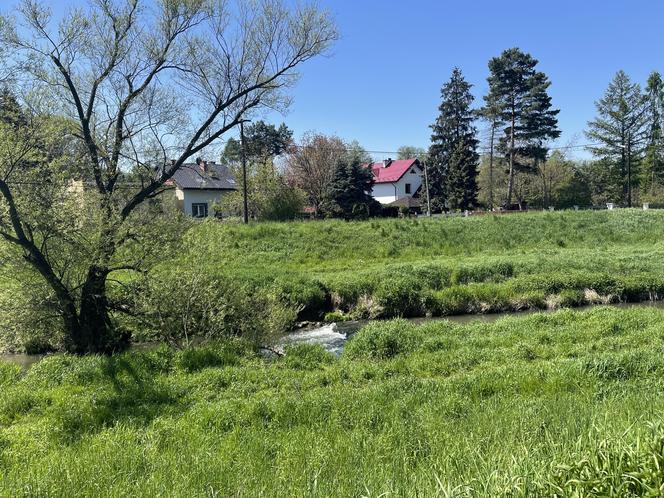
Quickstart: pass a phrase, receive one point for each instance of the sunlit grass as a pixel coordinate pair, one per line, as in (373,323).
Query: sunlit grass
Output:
(563,404)
(415,267)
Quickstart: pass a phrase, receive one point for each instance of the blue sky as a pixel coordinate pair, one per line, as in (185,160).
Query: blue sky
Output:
(381,84)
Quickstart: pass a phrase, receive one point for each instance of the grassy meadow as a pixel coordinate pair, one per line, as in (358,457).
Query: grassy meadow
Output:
(557,404)
(416,267)
(563,404)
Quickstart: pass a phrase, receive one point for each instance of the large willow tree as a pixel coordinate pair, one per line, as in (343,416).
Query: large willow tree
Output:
(146,86)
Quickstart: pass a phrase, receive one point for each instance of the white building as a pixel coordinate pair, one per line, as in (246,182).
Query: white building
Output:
(395,180)
(199,186)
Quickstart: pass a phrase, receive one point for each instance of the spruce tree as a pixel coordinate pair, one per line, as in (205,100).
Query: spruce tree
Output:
(653,162)
(619,130)
(519,93)
(453,157)
(349,195)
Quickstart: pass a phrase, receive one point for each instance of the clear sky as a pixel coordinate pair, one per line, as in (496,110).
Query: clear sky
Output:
(381,84)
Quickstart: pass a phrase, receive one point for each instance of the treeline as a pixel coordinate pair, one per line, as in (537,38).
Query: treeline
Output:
(323,176)
(519,167)
(514,166)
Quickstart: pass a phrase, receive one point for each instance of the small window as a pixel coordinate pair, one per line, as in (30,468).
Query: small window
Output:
(413,172)
(199,210)
(408,188)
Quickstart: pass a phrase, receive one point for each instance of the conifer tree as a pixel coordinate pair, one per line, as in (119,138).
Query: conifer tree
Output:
(453,156)
(519,93)
(618,132)
(349,195)
(492,115)
(653,162)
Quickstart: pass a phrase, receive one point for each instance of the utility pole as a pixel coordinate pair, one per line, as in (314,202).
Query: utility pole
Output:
(244,174)
(426,185)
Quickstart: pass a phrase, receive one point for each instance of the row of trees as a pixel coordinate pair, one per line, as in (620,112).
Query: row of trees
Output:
(518,166)
(626,142)
(521,119)
(322,173)
(517,108)
(627,138)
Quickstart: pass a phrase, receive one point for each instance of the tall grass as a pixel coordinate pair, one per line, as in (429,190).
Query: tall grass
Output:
(562,404)
(416,267)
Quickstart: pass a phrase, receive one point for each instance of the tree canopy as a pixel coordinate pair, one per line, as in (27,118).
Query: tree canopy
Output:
(146,86)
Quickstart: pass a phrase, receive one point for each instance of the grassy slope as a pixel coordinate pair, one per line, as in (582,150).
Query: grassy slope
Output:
(443,266)
(564,403)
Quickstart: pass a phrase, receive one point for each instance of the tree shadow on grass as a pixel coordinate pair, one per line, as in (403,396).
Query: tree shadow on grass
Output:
(123,394)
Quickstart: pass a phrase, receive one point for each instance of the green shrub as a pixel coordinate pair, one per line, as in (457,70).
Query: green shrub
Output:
(336,316)
(306,295)
(347,289)
(488,272)
(569,298)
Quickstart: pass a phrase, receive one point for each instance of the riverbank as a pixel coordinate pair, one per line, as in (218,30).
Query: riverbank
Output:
(334,336)
(559,404)
(381,269)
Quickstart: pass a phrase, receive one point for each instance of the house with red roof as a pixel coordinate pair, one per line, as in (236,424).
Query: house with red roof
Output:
(396,182)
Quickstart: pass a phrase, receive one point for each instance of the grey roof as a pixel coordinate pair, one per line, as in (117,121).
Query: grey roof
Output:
(192,176)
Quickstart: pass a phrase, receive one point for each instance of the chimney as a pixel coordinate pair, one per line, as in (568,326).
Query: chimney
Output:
(387,162)
(203,165)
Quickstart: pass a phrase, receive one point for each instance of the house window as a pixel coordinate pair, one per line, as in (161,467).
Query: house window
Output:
(408,188)
(199,210)
(412,172)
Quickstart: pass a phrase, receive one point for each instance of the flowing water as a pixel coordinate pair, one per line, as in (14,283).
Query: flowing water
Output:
(333,336)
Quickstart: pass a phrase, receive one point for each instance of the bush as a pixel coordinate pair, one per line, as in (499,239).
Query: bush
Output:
(494,272)
(304,294)
(186,305)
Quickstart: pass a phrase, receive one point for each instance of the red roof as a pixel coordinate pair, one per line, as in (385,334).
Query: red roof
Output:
(393,172)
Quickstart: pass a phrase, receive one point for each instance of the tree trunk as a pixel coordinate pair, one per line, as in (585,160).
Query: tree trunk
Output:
(95,323)
(510,183)
(493,134)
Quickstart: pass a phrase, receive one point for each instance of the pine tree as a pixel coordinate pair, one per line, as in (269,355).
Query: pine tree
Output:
(453,157)
(619,130)
(519,93)
(492,115)
(653,162)
(11,112)
(349,195)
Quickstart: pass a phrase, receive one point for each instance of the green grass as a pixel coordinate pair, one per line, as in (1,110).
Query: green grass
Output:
(416,267)
(562,404)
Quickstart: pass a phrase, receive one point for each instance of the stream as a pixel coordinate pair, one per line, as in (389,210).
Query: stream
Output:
(333,336)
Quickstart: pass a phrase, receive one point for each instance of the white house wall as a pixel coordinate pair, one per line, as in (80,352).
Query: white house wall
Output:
(384,192)
(390,192)
(190,196)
